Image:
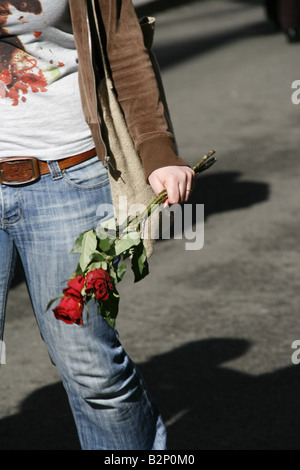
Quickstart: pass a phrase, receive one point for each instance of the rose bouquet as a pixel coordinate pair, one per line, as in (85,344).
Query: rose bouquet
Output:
(102,264)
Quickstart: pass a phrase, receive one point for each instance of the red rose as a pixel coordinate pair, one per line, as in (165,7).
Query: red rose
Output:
(99,283)
(75,287)
(69,310)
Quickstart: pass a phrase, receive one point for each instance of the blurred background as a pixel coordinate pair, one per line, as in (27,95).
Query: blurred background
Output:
(211,330)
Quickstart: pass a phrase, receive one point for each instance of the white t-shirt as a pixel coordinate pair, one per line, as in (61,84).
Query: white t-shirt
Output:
(40,106)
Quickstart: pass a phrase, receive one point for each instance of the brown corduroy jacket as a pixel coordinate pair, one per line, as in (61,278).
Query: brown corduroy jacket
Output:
(133,77)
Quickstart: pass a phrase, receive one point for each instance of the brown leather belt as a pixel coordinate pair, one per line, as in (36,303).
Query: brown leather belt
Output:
(15,171)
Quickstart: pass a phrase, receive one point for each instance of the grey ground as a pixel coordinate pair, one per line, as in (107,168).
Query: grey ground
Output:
(211,330)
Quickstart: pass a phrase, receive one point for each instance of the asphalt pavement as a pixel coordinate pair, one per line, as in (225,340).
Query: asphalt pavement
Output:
(212,330)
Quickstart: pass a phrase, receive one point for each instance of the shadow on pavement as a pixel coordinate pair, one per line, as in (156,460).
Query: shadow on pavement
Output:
(45,422)
(218,192)
(211,407)
(160,5)
(182,50)
(206,405)
(221,192)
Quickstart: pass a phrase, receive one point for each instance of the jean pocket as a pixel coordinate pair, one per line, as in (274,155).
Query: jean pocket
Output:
(90,174)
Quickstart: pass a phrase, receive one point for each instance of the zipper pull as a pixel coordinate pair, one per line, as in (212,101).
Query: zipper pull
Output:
(108,163)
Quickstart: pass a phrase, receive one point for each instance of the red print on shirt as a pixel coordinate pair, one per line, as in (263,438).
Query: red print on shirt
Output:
(18,70)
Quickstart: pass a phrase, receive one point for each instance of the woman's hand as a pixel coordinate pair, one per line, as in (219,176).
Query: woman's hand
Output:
(177,180)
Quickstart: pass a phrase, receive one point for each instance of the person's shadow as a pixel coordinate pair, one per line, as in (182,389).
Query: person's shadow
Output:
(218,192)
(206,404)
(226,191)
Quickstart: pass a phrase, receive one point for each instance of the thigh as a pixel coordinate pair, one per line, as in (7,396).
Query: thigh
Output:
(54,213)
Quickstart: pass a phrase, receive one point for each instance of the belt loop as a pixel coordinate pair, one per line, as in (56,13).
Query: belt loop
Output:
(55,170)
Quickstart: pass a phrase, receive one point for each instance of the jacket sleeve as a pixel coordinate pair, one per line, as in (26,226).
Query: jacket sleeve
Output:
(136,86)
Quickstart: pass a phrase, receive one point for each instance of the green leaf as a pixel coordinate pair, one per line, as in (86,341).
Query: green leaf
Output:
(97,256)
(77,247)
(98,265)
(139,263)
(112,274)
(121,271)
(105,244)
(89,245)
(125,243)
(109,308)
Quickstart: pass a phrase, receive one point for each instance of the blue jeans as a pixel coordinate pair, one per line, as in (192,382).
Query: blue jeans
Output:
(110,403)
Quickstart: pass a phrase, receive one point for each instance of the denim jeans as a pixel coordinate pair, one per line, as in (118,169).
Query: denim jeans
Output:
(112,407)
